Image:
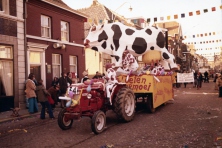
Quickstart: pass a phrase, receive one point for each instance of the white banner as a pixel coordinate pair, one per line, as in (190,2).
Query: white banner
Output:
(185,77)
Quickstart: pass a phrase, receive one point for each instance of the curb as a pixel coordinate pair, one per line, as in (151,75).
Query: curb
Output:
(19,117)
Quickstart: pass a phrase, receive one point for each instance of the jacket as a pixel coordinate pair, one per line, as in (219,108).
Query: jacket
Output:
(30,89)
(42,93)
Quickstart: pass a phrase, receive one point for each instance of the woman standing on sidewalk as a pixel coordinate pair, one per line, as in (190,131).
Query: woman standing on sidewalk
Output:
(30,94)
(42,94)
(219,84)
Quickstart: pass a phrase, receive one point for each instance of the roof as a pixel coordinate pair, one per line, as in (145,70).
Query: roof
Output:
(101,12)
(62,5)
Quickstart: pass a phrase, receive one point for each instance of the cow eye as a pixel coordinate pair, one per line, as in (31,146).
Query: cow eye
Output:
(93,28)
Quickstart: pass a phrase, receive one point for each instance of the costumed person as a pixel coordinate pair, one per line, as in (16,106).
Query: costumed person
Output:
(30,94)
(42,95)
(85,76)
(111,80)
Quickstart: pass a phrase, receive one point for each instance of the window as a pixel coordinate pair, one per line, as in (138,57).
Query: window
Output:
(6,71)
(56,65)
(4,6)
(46,26)
(73,63)
(64,31)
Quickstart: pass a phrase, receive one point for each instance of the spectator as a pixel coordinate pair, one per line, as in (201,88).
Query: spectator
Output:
(199,80)
(85,76)
(42,95)
(69,78)
(97,76)
(206,77)
(63,84)
(215,80)
(54,92)
(195,79)
(219,84)
(30,94)
(55,81)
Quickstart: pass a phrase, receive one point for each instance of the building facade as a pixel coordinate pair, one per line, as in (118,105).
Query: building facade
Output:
(54,35)
(12,54)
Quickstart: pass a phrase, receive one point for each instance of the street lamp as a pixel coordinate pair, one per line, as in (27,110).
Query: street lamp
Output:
(130,8)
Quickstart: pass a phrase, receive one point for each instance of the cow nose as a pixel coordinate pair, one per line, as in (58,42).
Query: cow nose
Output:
(86,42)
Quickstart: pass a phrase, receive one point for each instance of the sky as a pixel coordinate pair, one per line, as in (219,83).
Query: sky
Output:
(191,25)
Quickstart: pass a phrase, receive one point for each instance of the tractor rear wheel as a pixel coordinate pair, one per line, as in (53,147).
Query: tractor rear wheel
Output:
(125,104)
(63,122)
(98,122)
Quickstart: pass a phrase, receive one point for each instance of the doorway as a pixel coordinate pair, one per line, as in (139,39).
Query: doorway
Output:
(36,70)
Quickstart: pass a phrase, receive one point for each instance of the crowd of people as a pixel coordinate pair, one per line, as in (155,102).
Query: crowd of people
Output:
(36,92)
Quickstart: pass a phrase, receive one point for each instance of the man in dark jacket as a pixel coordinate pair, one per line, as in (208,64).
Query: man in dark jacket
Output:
(63,84)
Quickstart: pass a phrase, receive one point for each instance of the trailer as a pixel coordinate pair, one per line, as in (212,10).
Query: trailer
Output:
(149,89)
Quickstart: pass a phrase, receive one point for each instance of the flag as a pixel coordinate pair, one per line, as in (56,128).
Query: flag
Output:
(209,41)
(190,13)
(213,9)
(213,33)
(198,12)
(210,33)
(220,6)
(148,20)
(197,35)
(201,35)
(205,10)
(182,15)
(155,19)
(200,42)
(168,17)
(175,16)
(205,34)
(161,18)
(193,36)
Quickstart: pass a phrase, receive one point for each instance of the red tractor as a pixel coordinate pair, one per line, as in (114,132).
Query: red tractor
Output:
(88,99)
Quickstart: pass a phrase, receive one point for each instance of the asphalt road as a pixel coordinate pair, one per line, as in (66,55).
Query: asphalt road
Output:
(192,120)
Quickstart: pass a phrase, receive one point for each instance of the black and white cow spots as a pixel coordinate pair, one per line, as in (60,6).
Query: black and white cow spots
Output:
(115,38)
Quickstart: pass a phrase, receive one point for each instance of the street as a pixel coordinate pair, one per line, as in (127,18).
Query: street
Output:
(192,120)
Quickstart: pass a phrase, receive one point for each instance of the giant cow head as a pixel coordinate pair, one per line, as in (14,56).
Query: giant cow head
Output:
(96,36)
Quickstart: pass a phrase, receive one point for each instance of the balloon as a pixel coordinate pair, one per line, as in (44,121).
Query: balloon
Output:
(68,103)
(71,94)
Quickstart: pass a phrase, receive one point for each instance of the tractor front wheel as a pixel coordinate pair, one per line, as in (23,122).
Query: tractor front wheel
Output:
(98,122)
(63,122)
(125,104)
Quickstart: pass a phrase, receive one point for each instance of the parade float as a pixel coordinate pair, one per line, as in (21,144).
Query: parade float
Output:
(129,83)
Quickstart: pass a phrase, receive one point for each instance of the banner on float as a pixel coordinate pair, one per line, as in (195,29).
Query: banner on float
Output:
(185,77)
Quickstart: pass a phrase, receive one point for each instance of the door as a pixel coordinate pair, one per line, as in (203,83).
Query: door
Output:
(36,70)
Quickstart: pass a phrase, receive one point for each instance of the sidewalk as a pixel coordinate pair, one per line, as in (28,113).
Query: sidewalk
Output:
(23,113)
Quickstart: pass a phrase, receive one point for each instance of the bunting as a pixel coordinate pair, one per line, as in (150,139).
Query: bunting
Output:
(203,34)
(182,15)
